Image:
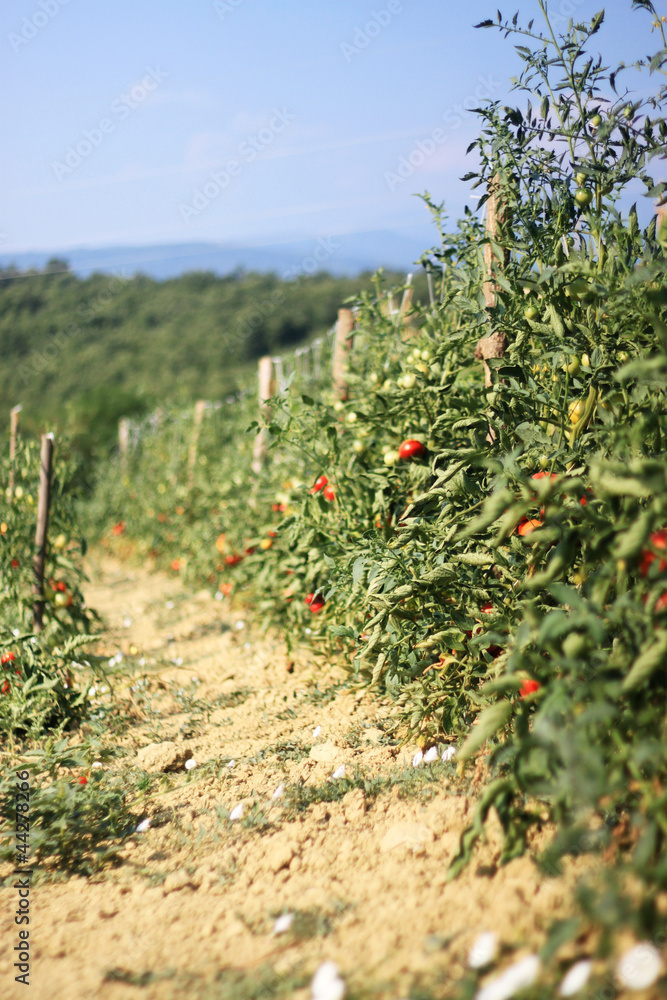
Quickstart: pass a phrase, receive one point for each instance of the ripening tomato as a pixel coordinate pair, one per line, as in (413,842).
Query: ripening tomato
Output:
(319,484)
(176,565)
(659,540)
(329,493)
(119,528)
(8,657)
(527,525)
(411,449)
(62,599)
(233,560)
(487,608)
(266,543)
(220,543)
(529,687)
(661,603)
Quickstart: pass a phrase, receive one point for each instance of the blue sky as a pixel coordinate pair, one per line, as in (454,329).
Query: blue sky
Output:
(303,111)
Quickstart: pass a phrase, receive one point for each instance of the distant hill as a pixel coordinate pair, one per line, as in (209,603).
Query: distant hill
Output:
(340,255)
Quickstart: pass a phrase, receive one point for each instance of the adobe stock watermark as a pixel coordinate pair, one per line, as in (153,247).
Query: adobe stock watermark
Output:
(121,107)
(364,34)
(453,119)
(247,152)
(41,359)
(31,26)
(224,7)
(325,248)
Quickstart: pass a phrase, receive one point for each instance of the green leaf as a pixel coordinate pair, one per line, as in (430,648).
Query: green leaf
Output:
(490,721)
(647,663)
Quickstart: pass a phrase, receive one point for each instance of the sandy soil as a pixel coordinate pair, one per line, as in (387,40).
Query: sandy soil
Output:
(191,910)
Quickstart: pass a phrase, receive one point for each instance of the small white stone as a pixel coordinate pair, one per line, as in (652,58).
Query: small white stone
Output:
(483,951)
(237,812)
(448,753)
(143,826)
(96,763)
(316,732)
(576,978)
(279,792)
(418,759)
(283,923)
(327,984)
(517,977)
(640,966)
(230,763)
(431,755)
(189,764)
(339,772)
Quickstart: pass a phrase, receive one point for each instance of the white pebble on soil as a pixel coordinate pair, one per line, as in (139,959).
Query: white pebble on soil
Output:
(327,984)
(283,923)
(575,978)
(339,772)
(143,826)
(483,951)
(189,764)
(517,977)
(640,967)
(316,732)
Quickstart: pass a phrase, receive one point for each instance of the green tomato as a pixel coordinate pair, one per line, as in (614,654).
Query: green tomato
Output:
(580,180)
(585,361)
(531,313)
(579,288)
(628,112)
(595,121)
(390,457)
(572,367)
(358,447)
(426,355)
(583,197)
(543,462)
(408,380)
(352,418)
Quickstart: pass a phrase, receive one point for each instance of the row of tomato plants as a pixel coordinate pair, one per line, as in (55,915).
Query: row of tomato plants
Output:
(491,557)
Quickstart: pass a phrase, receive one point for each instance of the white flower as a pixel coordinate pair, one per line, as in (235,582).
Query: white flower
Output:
(16,631)
(339,772)
(308,631)
(327,984)
(431,755)
(448,753)
(189,764)
(316,732)
(92,691)
(576,978)
(283,923)
(143,826)
(96,763)
(640,967)
(418,759)
(230,763)
(279,792)
(517,977)
(237,812)
(483,951)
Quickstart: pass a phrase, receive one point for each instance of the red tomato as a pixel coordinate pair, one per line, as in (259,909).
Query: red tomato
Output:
(15,564)
(119,528)
(526,525)
(8,658)
(319,484)
(329,493)
(309,598)
(225,589)
(83,780)
(659,540)
(316,605)
(5,687)
(543,475)
(176,565)
(250,550)
(488,608)
(661,603)
(233,560)
(411,449)
(529,687)
(275,506)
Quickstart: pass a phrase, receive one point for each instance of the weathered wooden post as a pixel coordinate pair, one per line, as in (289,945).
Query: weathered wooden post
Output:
(267,385)
(200,409)
(341,350)
(495,345)
(13,433)
(123,441)
(43,504)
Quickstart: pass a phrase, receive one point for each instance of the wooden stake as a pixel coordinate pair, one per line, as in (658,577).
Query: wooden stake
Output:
(43,504)
(13,432)
(200,409)
(341,350)
(267,387)
(123,440)
(495,345)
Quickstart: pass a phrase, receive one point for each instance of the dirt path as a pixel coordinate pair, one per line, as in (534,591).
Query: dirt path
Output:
(191,911)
